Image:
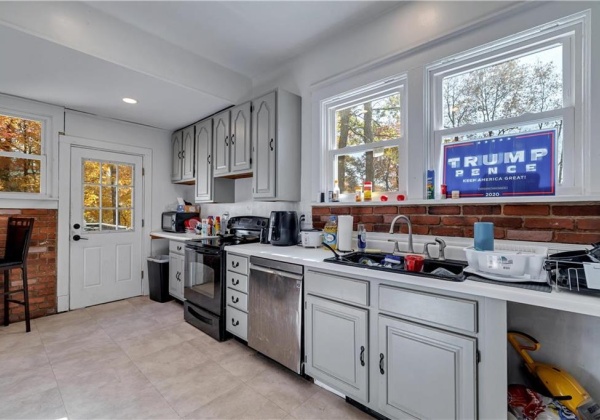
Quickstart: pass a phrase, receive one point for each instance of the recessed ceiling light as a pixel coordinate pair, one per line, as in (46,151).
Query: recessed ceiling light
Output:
(129,101)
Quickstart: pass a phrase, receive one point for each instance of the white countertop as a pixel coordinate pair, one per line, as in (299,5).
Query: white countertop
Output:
(177,236)
(313,258)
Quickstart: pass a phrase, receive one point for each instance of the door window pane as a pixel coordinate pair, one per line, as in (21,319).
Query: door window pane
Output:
(108,193)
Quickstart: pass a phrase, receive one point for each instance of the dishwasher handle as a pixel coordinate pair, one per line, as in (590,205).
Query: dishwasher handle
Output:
(276,272)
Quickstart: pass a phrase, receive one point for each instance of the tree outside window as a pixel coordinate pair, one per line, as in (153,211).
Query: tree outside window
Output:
(20,155)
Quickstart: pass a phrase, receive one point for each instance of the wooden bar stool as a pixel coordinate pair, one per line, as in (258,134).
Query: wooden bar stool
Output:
(15,256)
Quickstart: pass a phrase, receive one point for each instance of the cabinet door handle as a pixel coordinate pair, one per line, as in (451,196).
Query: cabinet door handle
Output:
(226,140)
(178,247)
(183,154)
(235,282)
(179,155)
(208,159)
(234,322)
(235,264)
(233,139)
(381,356)
(362,355)
(271,145)
(177,276)
(235,299)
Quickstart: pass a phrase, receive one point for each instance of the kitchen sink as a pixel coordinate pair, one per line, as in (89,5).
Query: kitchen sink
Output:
(450,270)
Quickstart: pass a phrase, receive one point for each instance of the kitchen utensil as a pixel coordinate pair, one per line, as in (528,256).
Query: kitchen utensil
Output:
(484,236)
(560,384)
(414,262)
(311,238)
(283,228)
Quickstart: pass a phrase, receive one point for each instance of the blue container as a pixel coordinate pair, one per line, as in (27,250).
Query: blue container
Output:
(484,236)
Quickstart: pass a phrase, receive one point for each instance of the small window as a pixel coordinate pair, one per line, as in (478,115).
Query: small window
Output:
(363,136)
(22,163)
(107,196)
(527,84)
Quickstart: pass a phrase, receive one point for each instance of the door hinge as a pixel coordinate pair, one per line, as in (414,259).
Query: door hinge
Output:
(251,108)
(250,161)
(305,307)
(142,274)
(143,171)
(143,222)
(478,356)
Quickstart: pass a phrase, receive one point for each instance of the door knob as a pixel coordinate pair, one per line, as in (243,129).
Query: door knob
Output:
(79,238)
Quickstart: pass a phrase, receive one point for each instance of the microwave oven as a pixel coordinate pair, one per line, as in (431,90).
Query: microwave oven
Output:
(173,221)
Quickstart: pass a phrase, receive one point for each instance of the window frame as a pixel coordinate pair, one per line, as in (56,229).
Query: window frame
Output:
(44,157)
(331,105)
(570,34)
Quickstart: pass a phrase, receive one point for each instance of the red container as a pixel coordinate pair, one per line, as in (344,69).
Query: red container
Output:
(414,262)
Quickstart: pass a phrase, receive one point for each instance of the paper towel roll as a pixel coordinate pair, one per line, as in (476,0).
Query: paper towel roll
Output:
(345,233)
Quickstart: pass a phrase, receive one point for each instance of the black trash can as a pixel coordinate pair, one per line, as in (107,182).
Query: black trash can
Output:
(158,278)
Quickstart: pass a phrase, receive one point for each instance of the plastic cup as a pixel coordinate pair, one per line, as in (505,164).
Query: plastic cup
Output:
(484,236)
(414,262)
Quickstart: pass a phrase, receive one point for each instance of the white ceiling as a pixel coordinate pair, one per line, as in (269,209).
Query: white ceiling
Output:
(181,60)
(250,37)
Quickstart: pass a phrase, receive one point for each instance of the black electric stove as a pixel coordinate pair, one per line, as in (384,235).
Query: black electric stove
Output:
(204,273)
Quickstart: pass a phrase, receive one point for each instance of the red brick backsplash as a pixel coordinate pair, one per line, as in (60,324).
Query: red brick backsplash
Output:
(41,263)
(577,223)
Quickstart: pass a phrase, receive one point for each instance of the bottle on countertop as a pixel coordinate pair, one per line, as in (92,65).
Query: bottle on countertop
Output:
(336,191)
(224,220)
(209,229)
(330,232)
(361,239)
(217,225)
(367,191)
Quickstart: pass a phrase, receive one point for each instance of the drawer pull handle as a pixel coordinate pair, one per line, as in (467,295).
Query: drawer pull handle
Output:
(381,363)
(234,322)
(178,248)
(235,282)
(362,355)
(235,299)
(235,264)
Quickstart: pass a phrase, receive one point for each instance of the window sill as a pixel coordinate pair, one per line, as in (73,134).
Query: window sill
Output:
(28,203)
(460,201)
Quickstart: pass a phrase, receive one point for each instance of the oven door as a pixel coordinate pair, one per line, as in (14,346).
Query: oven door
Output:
(203,279)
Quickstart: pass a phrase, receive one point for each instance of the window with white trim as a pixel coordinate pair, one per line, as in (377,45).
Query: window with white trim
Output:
(22,160)
(532,81)
(364,135)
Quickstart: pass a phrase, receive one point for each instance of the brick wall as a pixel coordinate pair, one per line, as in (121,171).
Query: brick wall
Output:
(41,263)
(577,223)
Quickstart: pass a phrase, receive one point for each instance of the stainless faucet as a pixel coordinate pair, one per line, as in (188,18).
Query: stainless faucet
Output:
(410,238)
(442,245)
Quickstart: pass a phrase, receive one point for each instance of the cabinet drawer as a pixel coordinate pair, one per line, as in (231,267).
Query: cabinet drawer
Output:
(177,247)
(237,299)
(237,323)
(237,281)
(441,311)
(336,287)
(237,263)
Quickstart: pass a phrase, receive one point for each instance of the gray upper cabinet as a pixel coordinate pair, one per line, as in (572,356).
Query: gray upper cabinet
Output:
(424,372)
(240,139)
(204,145)
(276,147)
(176,144)
(221,143)
(337,346)
(232,142)
(183,159)
(209,189)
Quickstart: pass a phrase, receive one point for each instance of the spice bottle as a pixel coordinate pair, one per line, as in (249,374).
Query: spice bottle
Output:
(336,191)
(368,189)
(358,194)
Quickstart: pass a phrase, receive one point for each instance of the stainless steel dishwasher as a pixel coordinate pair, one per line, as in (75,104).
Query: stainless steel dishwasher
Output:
(275,311)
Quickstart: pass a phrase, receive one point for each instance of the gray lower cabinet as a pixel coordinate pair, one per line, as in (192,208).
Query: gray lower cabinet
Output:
(424,372)
(176,265)
(336,346)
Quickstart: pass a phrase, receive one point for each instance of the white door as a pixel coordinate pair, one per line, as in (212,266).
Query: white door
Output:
(105,227)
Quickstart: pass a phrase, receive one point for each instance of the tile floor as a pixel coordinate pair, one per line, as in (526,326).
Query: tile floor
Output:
(138,359)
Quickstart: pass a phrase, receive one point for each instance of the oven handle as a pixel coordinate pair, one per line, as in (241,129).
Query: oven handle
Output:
(276,272)
(200,317)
